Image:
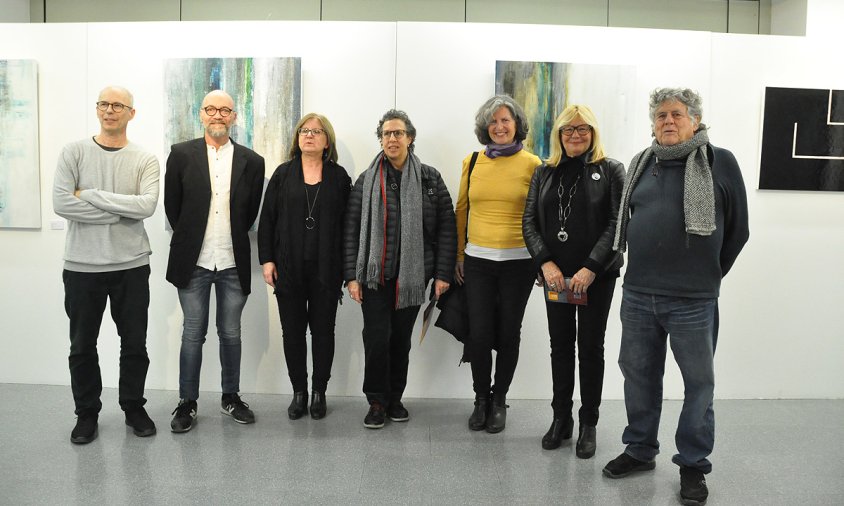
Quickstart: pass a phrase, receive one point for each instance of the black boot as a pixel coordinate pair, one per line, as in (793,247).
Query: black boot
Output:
(585,448)
(317,405)
(497,415)
(560,429)
(298,406)
(478,419)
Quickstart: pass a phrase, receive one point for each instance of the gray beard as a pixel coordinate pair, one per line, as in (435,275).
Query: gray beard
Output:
(217,131)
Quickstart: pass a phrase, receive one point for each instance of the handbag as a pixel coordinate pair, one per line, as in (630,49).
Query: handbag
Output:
(454,310)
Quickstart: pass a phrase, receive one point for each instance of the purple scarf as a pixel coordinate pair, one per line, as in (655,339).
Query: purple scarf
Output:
(496,150)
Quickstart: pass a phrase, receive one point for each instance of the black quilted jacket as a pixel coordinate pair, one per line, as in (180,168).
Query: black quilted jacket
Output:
(439,228)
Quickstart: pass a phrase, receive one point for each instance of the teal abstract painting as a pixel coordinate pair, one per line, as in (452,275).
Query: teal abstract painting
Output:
(544,89)
(20,180)
(267,95)
(540,88)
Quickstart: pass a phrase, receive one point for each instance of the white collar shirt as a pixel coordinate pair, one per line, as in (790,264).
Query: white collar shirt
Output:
(217,252)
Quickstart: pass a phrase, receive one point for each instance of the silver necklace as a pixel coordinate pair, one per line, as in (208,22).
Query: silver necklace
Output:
(310,222)
(563,213)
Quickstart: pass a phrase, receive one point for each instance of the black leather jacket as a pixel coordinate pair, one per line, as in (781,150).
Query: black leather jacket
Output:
(602,184)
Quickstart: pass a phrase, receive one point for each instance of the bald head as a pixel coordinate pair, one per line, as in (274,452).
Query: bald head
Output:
(218,97)
(119,91)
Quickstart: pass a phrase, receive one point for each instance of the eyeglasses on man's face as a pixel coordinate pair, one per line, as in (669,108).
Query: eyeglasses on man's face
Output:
(311,131)
(398,134)
(102,105)
(569,130)
(211,111)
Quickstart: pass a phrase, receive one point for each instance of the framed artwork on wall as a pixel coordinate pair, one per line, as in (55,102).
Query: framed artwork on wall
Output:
(267,94)
(544,89)
(20,179)
(802,140)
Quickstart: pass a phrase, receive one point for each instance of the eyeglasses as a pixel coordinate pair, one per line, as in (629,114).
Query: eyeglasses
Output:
(211,110)
(398,134)
(311,131)
(581,130)
(115,106)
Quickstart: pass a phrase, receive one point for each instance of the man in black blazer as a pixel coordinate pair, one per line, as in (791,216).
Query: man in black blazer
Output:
(212,191)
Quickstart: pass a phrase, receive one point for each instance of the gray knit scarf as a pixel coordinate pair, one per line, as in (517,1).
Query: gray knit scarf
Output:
(698,192)
(410,287)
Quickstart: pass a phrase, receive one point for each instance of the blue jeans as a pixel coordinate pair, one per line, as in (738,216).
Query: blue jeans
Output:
(692,325)
(195,300)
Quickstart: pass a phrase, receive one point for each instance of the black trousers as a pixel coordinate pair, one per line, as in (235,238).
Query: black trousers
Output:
(386,343)
(314,307)
(585,325)
(497,294)
(85,297)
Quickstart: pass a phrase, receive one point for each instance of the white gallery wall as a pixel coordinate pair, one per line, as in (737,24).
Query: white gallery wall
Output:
(782,328)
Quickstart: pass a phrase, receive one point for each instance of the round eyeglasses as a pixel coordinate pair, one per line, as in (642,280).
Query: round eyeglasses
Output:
(211,110)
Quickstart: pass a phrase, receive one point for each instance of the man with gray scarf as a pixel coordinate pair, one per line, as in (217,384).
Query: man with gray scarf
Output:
(400,232)
(683,216)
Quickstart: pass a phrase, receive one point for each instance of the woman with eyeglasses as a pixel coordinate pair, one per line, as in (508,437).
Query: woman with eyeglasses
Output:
(493,263)
(299,246)
(569,226)
(399,235)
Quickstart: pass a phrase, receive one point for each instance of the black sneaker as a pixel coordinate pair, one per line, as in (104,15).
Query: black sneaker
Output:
(624,465)
(140,422)
(237,409)
(375,418)
(693,490)
(85,430)
(183,416)
(397,412)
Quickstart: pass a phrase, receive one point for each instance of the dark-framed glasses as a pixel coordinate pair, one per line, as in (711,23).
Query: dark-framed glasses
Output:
(102,105)
(569,130)
(398,134)
(211,110)
(311,131)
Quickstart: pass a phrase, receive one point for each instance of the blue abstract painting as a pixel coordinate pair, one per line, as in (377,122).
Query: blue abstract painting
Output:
(267,95)
(20,180)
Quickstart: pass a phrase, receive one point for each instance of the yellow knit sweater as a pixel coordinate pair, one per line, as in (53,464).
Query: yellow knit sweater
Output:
(497,195)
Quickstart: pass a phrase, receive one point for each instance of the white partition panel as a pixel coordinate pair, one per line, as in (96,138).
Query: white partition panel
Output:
(770,346)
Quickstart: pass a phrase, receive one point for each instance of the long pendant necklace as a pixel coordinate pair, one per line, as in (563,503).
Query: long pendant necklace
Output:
(563,213)
(310,221)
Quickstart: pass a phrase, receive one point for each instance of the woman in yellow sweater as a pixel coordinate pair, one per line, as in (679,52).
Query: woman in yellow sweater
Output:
(492,259)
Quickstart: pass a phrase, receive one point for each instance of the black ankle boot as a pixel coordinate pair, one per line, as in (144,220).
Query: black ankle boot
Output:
(497,415)
(586,445)
(298,406)
(317,405)
(478,419)
(560,429)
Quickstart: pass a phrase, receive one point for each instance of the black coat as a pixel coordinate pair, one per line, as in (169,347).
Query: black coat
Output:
(604,198)
(439,228)
(279,232)
(187,199)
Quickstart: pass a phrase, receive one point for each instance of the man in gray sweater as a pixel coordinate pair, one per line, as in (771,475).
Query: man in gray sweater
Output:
(105,186)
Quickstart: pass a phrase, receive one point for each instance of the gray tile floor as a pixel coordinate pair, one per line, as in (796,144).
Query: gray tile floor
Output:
(767,452)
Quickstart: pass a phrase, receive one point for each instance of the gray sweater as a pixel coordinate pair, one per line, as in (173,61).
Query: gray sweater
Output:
(105,223)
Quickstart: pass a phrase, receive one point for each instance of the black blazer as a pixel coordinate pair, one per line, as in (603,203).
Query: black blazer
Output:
(187,199)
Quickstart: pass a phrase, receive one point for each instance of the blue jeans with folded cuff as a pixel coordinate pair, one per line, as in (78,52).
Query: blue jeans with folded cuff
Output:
(195,301)
(691,327)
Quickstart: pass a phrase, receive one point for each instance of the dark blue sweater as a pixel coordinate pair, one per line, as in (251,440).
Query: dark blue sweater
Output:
(665,260)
